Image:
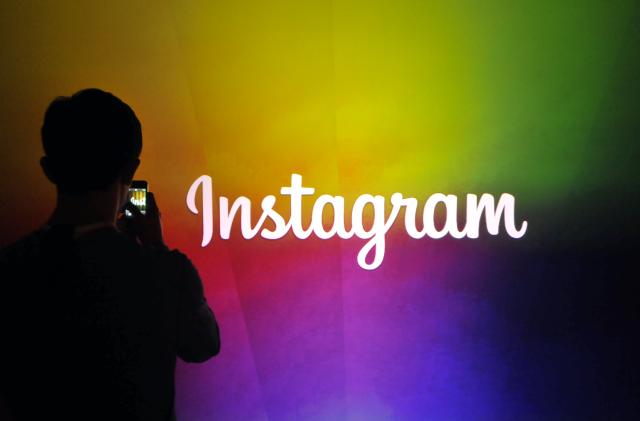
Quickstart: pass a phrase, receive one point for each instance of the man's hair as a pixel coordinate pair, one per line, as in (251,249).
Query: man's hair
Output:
(88,139)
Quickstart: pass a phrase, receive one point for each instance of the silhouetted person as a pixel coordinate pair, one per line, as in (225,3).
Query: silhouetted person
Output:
(93,312)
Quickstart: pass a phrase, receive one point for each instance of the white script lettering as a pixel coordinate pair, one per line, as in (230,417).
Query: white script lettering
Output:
(376,234)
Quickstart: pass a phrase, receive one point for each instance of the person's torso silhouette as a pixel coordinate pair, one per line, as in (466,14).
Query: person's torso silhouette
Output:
(92,325)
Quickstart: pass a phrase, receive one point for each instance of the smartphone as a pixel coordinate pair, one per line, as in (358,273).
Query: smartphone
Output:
(138,196)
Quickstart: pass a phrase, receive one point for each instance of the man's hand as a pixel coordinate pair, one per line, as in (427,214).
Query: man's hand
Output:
(145,228)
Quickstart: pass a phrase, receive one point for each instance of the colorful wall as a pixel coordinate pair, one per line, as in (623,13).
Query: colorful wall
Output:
(538,99)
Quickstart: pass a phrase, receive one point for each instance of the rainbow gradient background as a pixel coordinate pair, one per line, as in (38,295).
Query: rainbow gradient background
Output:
(539,99)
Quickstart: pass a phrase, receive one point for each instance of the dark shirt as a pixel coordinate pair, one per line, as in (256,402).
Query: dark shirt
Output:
(91,326)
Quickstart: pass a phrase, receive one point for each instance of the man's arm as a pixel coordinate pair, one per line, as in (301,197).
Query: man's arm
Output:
(198,332)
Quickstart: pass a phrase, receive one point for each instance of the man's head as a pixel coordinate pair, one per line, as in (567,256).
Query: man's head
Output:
(92,141)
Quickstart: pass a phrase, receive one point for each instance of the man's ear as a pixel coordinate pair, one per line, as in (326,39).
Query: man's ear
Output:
(130,170)
(46,168)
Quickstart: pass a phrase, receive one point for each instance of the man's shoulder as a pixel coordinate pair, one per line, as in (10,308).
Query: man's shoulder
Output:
(177,256)
(173,257)
(21,248)
(163,257)
(105,242)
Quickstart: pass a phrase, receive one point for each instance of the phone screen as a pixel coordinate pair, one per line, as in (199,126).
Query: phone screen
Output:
(138,196)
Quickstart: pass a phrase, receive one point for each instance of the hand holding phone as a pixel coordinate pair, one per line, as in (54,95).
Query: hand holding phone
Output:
(137,196)
(144,223)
